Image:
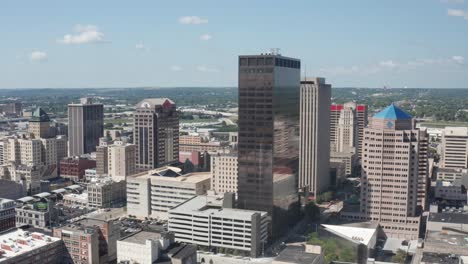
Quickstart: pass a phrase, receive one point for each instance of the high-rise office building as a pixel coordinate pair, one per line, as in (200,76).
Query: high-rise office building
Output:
(268,148)
(85,126)
(360,115)
(156,133)
(346,131)
(394,173)
(455,147)
(314,158)
(121,161)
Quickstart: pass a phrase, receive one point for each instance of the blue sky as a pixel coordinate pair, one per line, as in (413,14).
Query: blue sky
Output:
(364,43)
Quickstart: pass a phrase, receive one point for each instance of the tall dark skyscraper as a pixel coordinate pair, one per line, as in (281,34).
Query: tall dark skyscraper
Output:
(85,126)
(268,146)
(156,133)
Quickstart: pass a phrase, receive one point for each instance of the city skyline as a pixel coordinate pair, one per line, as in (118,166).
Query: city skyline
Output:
(58,45)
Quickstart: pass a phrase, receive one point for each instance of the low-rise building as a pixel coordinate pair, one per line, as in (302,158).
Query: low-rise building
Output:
(143,247)
(153,193)
(11,189)
(74,167)
(349,159)
(451,191)
(101,226)
(219,225)
(81,244)
(106,194)
(18,246)
(7,214)
(76,199)
(224,173)
(452,174)
(35,212)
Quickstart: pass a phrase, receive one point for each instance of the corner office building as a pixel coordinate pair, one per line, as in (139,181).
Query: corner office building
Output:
(394,173)
(268,148)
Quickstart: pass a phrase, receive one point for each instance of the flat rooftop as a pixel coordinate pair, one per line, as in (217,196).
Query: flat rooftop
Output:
(212,205)
(18,242)
(449,217)
(141,237)
(296,254)
(189,177)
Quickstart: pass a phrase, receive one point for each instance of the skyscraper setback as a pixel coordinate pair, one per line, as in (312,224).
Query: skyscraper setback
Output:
(156,133)
(268,148)
(314,161)
(85,126)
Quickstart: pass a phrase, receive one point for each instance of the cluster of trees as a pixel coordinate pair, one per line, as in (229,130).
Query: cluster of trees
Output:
(325,197)
(333,250)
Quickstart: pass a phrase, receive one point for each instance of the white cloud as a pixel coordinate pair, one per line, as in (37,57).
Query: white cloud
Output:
(38,56)
(206,69)
(456,12)
(388,64)
(176,68)
(452,1)
(205,37)
(83,34)
(392,66)
(192,20)
(458,59)
(139,46)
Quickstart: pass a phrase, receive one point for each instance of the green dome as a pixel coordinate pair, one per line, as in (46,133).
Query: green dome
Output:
(39,115)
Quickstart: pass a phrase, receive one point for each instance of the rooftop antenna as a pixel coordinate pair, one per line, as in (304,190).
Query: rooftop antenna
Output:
(275,51)
(305,72)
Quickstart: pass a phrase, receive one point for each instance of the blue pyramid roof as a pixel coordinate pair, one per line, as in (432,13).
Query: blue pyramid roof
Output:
(392,112)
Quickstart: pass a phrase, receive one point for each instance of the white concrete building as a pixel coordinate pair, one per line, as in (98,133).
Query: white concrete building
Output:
(153,193)
(314,146)
(121,161)
(212,221)
(224,173)
(455,147)
(142,247)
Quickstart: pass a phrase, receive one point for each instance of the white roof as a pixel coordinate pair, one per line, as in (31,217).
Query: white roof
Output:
(25,199)
(42,195)
(29,242)
(356,234)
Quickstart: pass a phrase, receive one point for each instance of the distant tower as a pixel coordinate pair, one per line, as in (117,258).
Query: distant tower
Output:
(314,158)
(39,124)
(156,133)
(394,173)
(85,126)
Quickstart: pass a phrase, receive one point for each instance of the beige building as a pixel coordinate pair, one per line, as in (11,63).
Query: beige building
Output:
(39,124)
(121,160)
(314,148)
(455,147)
(156,133)
(106,194)
(153,193)
(348,159)
(346,130)
(224,173)
(190,143)
(394,173)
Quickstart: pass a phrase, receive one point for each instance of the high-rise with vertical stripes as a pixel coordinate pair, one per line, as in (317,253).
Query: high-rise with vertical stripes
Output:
(156,133)
(314,161)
